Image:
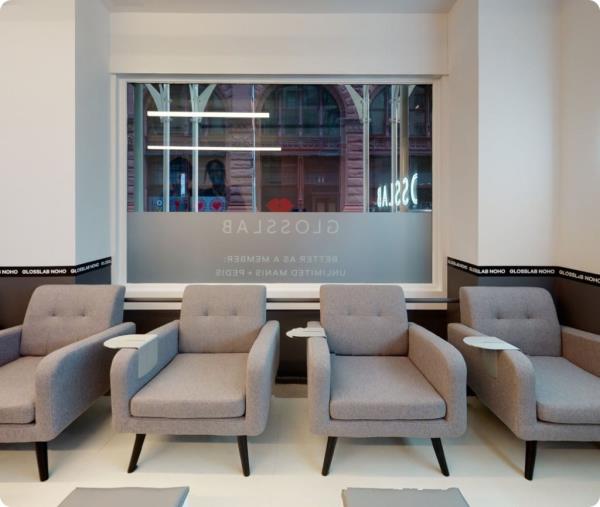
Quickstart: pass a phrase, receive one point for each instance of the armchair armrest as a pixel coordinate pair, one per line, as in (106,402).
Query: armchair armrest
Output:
(70,379)
(511,394)
(319,383)
(125,381)
(457,332)
(515,400)
(261,369)
(10,344)
(582,349)
(444,367)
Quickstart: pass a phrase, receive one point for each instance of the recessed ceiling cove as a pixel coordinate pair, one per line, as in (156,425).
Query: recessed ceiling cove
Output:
(282,6)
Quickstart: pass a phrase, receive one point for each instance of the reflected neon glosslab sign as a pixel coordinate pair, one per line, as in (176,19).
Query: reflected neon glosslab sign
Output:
(398,193)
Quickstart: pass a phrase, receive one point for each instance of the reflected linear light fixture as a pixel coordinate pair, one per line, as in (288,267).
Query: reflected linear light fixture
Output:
(216,148)
(186,114)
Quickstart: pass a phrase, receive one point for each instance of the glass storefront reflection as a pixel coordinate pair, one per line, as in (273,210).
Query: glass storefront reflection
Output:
(279,147)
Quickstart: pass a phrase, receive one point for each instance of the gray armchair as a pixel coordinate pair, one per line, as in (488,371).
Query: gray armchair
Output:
(54,366)
(214,373)
(550,388)
(377,375)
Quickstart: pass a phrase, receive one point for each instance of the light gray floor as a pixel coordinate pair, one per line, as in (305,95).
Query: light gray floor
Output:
(486,464)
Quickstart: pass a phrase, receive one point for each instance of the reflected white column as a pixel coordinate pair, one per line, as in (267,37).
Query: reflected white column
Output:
(138,136)
(254,204)
(362,105)
(366,139)
(162,100)
(404,141)
(195,141)
(166,94)
(394,120)
(198,103)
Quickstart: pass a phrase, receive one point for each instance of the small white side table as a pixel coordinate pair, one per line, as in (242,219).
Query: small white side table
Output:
(489,348)
(146,344)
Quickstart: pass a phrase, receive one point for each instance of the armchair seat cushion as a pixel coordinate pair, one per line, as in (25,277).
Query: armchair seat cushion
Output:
(565,393)
(17,391)
(195,386)
(381,388)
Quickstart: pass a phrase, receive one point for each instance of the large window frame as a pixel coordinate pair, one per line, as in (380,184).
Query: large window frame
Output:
(281,295)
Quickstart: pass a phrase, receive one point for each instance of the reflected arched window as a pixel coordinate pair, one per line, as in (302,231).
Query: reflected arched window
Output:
(306,175)
(419,104)
(214,127)
(302,111)
(380,112)
(180,101)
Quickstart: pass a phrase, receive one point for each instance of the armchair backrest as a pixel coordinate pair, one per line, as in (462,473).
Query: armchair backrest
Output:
(365,320)
(221,318)
(523,316)
(58,315)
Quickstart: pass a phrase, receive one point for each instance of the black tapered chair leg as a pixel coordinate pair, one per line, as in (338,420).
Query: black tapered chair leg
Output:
(530,453)
(331,441)
(243,448)
(439,454)
(137,450)
(41,453)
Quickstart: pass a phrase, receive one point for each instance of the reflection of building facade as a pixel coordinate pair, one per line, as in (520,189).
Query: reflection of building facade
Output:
(319,129)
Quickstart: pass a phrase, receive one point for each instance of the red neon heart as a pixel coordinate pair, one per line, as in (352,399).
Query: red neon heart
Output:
(281,205)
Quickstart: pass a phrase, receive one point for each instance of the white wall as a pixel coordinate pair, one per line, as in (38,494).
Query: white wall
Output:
(578,217)
(519,74)
(283,44)
(37,143)
(92,131)
(461,134)
(521,122)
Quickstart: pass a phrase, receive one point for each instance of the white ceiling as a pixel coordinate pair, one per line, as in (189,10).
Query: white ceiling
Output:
(282,6)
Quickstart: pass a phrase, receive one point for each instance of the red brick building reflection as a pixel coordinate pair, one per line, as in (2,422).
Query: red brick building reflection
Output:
(318,127)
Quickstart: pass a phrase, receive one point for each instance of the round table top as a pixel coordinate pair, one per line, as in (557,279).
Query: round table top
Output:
(305,332)
(488,343)
(129,341)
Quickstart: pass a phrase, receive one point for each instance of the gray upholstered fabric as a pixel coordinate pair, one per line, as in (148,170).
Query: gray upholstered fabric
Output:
(67,382)
(539,396)
(582,349)
(318,364)
(511,395)
(221,318)
(71,378)
(263,361)
(58,315)
(319,388)
(445,369)
(125,381)
(565,394)
(365,320)
(126,497)
(261,367)
(10,344)
(523,316)
(17,391)
(195,386)
(381,388)
(434,361)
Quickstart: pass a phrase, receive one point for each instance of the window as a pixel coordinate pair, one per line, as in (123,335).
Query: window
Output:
(245,162)
(312,136)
